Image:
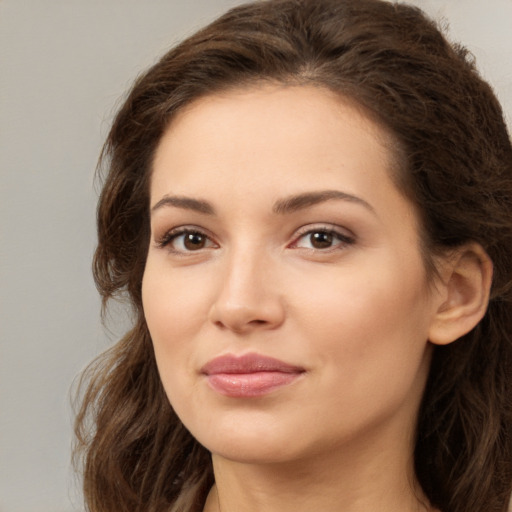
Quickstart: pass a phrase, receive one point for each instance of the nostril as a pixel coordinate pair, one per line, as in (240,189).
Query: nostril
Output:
(220,325)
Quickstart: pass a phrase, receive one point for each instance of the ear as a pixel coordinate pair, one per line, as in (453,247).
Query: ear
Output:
(466,277)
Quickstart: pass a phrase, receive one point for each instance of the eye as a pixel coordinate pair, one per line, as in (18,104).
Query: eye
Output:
(186,240)
(322,239)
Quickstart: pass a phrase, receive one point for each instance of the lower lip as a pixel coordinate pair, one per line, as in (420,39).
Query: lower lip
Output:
(246,385)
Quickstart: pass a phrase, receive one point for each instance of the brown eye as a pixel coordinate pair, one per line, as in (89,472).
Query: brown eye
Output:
(194,241)
(186,241)
(321,240)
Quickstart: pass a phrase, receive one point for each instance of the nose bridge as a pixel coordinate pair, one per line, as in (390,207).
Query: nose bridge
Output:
(247,298)
(244,273)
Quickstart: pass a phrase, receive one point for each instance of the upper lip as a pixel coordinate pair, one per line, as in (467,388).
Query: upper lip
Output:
(247,363)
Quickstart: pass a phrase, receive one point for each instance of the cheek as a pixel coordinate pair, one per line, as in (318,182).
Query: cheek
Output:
(167,322)
(172,304)
(374,317)
(171,309)
(371,345)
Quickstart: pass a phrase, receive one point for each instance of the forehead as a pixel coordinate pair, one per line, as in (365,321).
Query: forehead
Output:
(270,128)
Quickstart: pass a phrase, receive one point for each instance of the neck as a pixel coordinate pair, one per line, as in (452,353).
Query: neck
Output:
(381,482)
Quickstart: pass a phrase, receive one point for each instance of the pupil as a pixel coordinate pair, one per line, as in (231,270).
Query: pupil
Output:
(194,241)
(321,240)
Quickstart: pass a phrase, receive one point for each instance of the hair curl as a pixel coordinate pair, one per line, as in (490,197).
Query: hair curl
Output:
(456,166)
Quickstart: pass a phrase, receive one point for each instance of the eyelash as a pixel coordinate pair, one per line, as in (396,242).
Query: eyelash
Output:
(170,236)
(343,239)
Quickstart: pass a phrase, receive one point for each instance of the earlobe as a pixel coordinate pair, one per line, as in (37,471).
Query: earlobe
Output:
(464,294)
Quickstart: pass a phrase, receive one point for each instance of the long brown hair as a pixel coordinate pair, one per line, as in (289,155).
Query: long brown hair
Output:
(455,164)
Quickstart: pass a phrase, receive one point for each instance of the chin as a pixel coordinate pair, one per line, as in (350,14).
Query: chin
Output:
(246,443)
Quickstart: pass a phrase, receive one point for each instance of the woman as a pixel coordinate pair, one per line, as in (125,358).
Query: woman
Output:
(308,205)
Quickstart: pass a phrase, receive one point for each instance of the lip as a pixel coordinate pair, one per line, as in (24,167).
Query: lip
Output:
(249,375)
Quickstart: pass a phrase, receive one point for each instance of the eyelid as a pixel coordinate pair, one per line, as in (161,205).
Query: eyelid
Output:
(164,241)
(345,236)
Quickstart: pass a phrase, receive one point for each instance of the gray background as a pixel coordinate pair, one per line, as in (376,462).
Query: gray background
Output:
(63,66)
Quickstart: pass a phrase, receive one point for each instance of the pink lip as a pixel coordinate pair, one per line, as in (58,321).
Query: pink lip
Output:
(250,375)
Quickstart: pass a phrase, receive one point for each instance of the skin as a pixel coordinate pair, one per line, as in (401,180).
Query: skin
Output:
(354,312)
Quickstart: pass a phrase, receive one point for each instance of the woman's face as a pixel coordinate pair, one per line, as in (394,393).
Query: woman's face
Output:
(284,289)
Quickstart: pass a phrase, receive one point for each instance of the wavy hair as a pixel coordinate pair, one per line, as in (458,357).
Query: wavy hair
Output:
(455,159)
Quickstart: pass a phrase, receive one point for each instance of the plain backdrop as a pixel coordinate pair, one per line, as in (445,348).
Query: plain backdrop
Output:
(64,64)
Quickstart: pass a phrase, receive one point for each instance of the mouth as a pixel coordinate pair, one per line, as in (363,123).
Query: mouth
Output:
(250,375)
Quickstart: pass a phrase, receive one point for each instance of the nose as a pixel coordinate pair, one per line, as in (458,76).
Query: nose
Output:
(248,298)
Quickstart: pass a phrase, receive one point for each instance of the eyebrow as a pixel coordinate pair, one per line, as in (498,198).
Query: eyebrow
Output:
(282,206)
(186,203)
(302,201)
